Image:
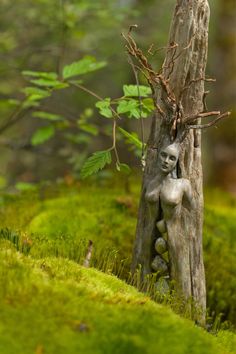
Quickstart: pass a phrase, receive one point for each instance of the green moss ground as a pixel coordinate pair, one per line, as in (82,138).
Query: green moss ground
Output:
(53,305)
(50,304)
(104,215)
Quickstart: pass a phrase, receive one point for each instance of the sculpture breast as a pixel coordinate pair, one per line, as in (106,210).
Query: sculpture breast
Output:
(171,197)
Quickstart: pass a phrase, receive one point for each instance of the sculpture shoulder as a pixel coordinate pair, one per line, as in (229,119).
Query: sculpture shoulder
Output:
(188,200)
(186,183)
(181,183)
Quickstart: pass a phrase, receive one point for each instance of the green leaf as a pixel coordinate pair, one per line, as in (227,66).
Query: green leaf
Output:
(106,112)
(132,108)
(125,106)
(88,112)
(42,134)
(122,167)
(61,85)
(24,186)
(5,104)
(148,104)
(13,102)
(33,98)
(83,66)
(104,108)
(95,163)
(131,138)
(89,128)
(103,103)
(136,113)
(30,103)
(35,93)
(78,138)
(49,83)
(133,90)
(146,108)
(48,116)
(41,74)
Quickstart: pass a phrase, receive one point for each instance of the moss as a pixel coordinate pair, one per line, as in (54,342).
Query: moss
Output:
(219,258)
(61,223)
(227,339)
(53,305)
(91,213)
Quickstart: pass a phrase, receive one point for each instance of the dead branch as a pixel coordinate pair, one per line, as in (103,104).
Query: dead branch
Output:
(172,61)
(179,125)
(175,57)
(88,254)
(134,51)
(200,115)
(187,46)
(194,81)
(204,100)
(151,52)
(153,77)
(203,126)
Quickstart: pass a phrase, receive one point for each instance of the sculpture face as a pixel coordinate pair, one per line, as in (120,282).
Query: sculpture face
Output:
(168,158)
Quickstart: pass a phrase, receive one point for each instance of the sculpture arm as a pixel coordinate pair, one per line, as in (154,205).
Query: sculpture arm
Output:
(188,200)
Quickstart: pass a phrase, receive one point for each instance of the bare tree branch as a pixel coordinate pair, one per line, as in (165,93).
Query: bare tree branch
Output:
(203,126)
(194,81)
(200,115)
(88,254)
(83,88)
(154,78)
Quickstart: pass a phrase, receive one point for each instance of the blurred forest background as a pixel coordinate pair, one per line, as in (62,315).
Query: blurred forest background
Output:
(45,35)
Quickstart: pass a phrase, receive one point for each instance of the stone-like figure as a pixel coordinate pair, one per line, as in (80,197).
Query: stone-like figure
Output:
(171,194)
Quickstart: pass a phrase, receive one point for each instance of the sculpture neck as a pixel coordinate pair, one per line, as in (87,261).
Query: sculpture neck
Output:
(168,176)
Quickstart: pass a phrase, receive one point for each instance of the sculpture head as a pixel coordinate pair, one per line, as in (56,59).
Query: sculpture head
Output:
(168,157)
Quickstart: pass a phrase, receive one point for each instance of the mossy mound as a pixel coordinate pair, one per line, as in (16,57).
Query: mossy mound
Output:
(62,220)
(53,305)
(103,214)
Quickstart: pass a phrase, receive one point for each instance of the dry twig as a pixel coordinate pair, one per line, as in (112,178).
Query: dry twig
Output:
(88,254)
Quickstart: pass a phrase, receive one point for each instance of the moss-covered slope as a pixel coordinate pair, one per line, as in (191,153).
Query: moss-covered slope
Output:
(53,305)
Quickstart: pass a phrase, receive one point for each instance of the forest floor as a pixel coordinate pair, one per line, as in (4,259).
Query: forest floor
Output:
(51,303)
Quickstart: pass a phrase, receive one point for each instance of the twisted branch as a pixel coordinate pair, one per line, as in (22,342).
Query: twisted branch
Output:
(207,125)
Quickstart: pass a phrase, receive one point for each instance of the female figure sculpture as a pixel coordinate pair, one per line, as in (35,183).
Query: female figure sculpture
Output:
(171,194)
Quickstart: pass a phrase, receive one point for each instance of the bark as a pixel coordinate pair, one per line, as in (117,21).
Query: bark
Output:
(189,29)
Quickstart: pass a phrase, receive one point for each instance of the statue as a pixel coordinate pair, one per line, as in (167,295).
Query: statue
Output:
(171,207)
(166,195)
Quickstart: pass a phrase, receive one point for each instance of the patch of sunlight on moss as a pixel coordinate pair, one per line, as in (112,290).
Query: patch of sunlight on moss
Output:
(56,306)
(95,217)
(64,222)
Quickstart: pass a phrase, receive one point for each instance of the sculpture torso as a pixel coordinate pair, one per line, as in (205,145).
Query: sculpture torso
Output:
(171,196)
(170,192)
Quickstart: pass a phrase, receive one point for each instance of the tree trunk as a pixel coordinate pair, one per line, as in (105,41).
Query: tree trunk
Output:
(189,29)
